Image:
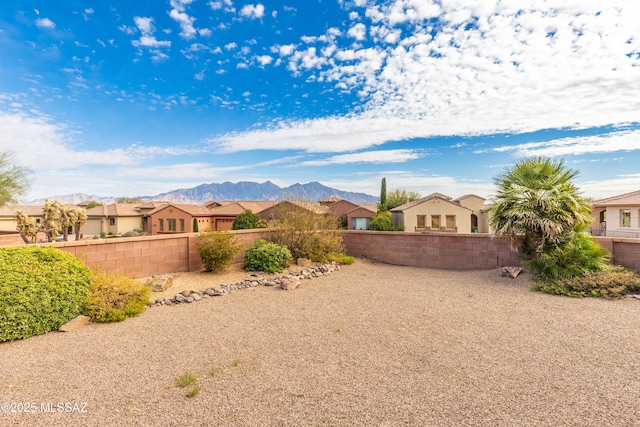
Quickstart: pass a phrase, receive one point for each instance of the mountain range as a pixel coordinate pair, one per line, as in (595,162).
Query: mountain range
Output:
(244,190)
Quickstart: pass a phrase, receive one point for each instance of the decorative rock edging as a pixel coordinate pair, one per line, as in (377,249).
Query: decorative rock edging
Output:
(288,281)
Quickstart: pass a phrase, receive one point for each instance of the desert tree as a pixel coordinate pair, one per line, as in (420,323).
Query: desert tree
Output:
(400,196)
(14,179)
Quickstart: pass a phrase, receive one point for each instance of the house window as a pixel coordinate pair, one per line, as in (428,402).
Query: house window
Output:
(161,222)
(171,224)
(422,221)
(451,222)
(625,217)
(182,225)
(37,221)
(360,223)
(435,222)
(112,221)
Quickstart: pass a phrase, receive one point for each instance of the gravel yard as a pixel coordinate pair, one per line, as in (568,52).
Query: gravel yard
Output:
(369,345)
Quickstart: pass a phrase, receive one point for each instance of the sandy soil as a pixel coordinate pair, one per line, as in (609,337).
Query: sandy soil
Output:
(372,344)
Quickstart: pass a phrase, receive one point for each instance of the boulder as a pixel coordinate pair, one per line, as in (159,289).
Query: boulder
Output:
(289,283)
(75,323)
(159,283)
(512,272)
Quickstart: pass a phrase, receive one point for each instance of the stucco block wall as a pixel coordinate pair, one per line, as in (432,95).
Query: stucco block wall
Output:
(449,251)
(625,252)
(148,255)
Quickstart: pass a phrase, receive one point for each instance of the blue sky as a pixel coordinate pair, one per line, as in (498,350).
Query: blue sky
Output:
(127,98)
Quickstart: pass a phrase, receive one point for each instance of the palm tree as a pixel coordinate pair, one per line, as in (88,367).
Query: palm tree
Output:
(535,201)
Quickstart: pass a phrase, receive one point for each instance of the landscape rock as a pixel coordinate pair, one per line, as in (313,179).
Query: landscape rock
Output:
(75,323)
(289,280)
(159,283)
(289,283)
(512,272)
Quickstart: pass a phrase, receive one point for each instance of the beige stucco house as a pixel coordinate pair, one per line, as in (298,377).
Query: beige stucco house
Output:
(8,223)
(114,219)
(617,216)
(439,213)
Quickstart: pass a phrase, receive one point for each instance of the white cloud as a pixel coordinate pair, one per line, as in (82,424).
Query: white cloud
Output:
(373,157)
(488,67)
(217,5)
(179,15)
(358,32)
(606,143)
(252,11)
(45,23)
(264,59)
(231,46)
(148,40)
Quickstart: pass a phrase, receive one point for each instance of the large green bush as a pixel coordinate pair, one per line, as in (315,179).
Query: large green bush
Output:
(248,220)
(306,232)
(381,222)
(577,256)
(216,249)
(41,288)
(267,257)
(115,297)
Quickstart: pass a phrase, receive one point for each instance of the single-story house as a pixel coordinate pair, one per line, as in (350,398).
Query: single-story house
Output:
(222,216)
(617,216)
(352,216)
(439,213)
(360,217)
(115,218)
(8,223)
(179,218)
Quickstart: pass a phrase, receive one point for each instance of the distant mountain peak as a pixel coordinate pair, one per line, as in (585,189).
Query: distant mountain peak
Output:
(242,190)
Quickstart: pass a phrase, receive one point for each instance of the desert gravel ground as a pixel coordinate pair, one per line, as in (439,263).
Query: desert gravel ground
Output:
(369,345)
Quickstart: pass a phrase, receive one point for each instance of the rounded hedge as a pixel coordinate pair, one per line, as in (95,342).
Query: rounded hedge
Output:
(115,297)
(267,257)
(41,288)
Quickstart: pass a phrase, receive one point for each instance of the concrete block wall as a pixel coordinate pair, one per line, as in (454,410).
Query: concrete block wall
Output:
(448,251)
(625,252)
(148,255)
(159,254)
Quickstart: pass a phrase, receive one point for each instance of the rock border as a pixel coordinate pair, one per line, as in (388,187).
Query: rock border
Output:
(288,281)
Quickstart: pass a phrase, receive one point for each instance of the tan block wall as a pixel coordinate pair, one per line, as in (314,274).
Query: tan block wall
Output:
(148,255)
(625,252)
(448,251)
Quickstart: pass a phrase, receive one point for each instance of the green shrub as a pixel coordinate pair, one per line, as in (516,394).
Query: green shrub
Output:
(578,256)
(248,220)
(216,249)
(306,232)
(267,257)
(41,288)
(610,283)
(341,258)
(114,297)
(381,222)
